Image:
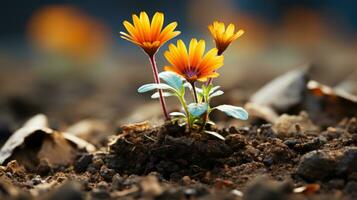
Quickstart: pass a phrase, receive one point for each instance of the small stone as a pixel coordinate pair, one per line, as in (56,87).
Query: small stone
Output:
(36,180)
(348,162)
(97,162)
(107,173)
(266,130)
(151,187)
(82,163)
(316,165)
(291,143)
(186,180)
(268,161)
(117,182)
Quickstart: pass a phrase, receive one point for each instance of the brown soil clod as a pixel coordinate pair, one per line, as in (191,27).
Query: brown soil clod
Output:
(155,150)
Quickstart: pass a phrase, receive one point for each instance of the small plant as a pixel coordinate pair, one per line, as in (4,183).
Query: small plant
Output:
(187,68)
(150,37)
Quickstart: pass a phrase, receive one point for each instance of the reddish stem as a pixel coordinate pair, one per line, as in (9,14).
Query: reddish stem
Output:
(157,80)
(210,80)
(194,91)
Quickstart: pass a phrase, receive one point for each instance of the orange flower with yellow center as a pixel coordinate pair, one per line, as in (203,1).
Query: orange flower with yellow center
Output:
(149,36)
(193,65)
(222,36)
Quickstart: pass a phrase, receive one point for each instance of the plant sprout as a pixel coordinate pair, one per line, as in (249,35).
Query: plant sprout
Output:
(195,115)
(188,67)
(150,37)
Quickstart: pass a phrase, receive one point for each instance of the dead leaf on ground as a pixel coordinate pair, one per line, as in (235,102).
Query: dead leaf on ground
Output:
(308,189)
(293,92)
(328,106)
(91,130)
(283,92)
(36,141)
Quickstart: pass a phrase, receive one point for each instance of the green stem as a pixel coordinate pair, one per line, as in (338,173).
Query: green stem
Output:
(184,105)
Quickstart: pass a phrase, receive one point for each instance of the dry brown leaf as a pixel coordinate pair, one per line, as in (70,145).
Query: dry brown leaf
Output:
(307,189)
(36,141)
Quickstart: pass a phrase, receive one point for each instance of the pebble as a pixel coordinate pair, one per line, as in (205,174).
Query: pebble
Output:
(186,180)
(36,180)
(82,163)
(316,165)
(117,182)
(107,173)
(348,162)
(327,164)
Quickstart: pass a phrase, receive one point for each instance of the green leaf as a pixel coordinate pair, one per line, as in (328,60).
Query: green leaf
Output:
(216,93)
(172,79)
(199,90)
(215,134)
(177,114)
(213,89)
(233,111)
(188,85)
(197,109)
(165,94)
(153,86)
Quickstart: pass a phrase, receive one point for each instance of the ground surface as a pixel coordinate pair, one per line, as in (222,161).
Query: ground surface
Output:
(144,162)
(303,155)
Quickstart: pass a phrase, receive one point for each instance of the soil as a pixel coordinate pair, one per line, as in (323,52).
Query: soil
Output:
(166,162)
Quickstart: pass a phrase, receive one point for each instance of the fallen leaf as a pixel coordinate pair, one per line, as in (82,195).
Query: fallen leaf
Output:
(307,189)
(328,106)
(283,92)
(35,141)
(91,130)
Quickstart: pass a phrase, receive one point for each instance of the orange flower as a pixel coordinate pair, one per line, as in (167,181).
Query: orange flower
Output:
(193,65)
(222,36)
(148,36)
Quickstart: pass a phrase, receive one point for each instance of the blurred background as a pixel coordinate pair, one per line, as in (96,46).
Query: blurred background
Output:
(66,59)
